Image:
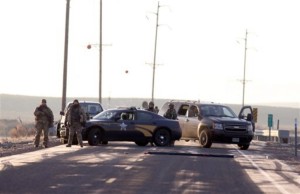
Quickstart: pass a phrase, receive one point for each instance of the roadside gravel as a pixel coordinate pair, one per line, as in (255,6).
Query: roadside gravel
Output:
(278,151)
(13,146)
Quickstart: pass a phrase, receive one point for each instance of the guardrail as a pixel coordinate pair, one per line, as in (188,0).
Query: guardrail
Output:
(265,132)
(281,136)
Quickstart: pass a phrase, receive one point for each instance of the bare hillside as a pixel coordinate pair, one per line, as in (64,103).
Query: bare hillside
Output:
(15,107)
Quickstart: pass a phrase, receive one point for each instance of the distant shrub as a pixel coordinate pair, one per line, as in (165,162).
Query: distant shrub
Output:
(6,125)
(21,131)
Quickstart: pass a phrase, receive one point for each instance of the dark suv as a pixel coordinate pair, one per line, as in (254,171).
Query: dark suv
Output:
(209,122)
(91,109)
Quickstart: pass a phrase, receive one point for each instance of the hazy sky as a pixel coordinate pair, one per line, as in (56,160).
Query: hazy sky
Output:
(200,49)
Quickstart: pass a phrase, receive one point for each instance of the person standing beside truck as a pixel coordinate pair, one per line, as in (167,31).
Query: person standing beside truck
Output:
(75,118)
(171,112)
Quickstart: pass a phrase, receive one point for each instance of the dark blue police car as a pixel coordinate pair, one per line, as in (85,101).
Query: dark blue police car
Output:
(131,124)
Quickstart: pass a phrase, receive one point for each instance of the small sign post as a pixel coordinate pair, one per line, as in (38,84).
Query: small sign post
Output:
(270,124)
(296,137)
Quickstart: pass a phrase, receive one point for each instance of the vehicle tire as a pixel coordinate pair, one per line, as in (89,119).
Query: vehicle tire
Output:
(94,137)
(141,143)
(244,146)
(162,137)
(205,139)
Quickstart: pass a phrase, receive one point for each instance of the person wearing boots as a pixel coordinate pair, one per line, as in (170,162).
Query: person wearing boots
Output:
(76,118)
(43,121)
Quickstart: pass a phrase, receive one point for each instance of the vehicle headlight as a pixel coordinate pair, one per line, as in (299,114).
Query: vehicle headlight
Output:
(250,128)
(218,126)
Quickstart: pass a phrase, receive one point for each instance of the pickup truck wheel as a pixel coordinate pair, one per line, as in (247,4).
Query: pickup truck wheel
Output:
(162,137)
(244,146)
(205,138)
(94,137)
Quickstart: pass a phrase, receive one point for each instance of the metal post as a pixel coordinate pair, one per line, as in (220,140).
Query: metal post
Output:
(269,133)
(100,56)
(244,79)
(154,60)
(65,70)
(296,138)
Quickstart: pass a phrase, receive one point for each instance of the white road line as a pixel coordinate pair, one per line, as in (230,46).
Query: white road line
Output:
(280,188)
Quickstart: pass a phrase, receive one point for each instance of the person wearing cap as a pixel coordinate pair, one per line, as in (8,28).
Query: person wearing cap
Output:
(171,112)
(43,121)
(151,107)
(76,118)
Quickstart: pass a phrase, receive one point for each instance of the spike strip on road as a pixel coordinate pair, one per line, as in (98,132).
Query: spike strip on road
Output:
(192,154)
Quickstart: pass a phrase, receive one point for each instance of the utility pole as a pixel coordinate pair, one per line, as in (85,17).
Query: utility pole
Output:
(100,53)
(100,56)
(65,69)
(155,44)
(244,78)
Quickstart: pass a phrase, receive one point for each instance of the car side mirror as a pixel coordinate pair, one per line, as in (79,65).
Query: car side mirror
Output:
(88,117)
(62,113)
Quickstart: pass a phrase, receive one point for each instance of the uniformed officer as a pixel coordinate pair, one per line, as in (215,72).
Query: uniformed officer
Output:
(171,112)
(151,107)
(43,121)
(76,118)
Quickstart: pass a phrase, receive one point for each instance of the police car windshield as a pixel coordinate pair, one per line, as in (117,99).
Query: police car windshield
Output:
(106,115)
(217,111)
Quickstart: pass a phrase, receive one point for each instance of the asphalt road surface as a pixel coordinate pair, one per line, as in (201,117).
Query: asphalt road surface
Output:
(123,167)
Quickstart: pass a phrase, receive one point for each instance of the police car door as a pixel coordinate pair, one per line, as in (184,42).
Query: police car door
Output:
(124,127)
(145,125)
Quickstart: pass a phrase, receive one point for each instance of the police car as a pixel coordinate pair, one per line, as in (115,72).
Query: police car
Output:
(131,124)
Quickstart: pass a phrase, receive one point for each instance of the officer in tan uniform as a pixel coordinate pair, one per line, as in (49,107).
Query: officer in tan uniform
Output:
(76,118)
(43,121)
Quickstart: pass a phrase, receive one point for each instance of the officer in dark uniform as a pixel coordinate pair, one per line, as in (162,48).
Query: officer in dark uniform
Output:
(171,112)
(151,107)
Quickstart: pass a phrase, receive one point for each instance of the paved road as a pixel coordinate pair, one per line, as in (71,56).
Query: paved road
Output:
(126,168)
